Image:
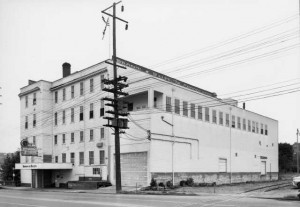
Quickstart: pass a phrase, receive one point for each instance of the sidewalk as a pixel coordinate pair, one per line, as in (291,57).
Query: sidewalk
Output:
(106,190)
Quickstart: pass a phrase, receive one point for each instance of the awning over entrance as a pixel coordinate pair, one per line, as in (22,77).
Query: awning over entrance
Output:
(44,166)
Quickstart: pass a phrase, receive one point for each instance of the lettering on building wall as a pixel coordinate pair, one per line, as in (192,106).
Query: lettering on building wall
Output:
(163,77)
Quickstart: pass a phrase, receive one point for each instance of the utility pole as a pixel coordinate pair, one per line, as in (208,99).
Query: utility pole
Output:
(297,154)
(115,121)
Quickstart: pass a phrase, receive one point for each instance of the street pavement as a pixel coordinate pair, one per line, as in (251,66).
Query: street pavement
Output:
(37,198)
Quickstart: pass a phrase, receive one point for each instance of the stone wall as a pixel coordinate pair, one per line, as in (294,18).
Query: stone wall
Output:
(218,178)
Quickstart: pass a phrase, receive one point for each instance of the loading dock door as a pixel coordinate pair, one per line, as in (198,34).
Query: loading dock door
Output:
(134,168)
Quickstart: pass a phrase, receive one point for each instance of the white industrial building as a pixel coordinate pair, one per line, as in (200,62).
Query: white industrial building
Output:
(173,127)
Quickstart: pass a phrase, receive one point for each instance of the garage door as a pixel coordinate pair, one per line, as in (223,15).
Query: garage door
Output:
(134,169)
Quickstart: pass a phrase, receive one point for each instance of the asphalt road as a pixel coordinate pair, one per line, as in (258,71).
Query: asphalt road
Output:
(16,198)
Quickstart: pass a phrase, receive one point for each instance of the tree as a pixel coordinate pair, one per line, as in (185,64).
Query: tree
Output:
(285,157)
(8,166)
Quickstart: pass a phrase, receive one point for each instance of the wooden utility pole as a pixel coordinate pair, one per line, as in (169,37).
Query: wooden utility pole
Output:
(115,122)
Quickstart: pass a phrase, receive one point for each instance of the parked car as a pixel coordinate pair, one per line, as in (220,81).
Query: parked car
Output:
(296,181)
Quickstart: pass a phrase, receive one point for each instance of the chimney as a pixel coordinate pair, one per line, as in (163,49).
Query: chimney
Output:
(66,69)
(244,105)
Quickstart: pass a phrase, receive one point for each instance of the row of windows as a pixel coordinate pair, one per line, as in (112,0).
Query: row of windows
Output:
(81,158)
(217,118)
(81,89)
(34,102)
(33,121)
(81,113)
(73,136)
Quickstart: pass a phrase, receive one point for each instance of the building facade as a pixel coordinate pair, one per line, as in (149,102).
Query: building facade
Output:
(174,128)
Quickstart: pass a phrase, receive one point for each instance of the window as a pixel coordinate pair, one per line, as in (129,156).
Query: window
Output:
(72,114)
(91,157)
(244,124)
(64,117)
(96,171)
(102,108)
(102,134)
(34,120)
(91,135)
(81,88)
(72,157)
(26,101)
(72,137)
(64,138)
(33,140)
(56,159)
(81,114)
(64,94)
(81,158)
(26,122)
(261,129)
(206,114)
(101,81)
(168,104)
(55,139)
(185,108)
(56,96)
(239,122)
(177,106)
(214,116)
(81,136)
(72,92)
(266,129)
(91,85)
(221,118)
(249,126)
(91,111)
(34,99)
(222,165)
(227,120)
(102,157)
(63,157)
(257,130)
(193,112)
(55,118)
(233,121)
(253,126)
(200,113)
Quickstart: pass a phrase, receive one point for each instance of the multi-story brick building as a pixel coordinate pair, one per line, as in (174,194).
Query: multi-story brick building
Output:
(193,132)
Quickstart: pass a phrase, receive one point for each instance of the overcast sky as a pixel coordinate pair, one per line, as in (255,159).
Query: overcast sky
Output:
(223,46)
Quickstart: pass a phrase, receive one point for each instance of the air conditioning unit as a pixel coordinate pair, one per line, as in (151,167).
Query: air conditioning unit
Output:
(100,144)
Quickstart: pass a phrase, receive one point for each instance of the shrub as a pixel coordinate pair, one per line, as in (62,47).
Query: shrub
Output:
(190,182)
(169,184)
(153,183)
(182,183)
(161,184)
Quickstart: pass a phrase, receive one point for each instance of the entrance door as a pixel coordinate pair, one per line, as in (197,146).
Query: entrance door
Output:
(263,168)
(47,178)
